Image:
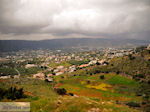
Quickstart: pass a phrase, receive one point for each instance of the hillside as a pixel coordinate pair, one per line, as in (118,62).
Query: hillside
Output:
(120,86)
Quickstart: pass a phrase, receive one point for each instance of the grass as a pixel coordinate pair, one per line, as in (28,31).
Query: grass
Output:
(40,94)
(44,99)
(102,86)
(83,104)
(44,96)
(120,80)
(90,91)
(65,64)
(109,88)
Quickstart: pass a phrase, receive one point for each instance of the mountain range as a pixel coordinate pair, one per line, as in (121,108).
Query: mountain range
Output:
(15,45)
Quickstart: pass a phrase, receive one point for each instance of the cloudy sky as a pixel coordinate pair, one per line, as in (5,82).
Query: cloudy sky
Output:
(46,19)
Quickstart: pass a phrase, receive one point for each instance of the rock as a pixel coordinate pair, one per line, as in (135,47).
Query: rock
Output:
(76,95)
(103,103)
(59,102)
(94,110)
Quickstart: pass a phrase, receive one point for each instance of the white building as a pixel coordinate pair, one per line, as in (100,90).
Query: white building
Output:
(59,73)
(92,62)
(4,77)
(30,65)
(40,76)
(148,47)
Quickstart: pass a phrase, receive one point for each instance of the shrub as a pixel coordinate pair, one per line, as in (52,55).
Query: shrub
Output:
(91,73)
(71,94)
(131,57)
(102,77)
(88,81)
(118,72)
(61,91)
(62,77)
(2,93)
(133,104)
(140,75)
(12,93)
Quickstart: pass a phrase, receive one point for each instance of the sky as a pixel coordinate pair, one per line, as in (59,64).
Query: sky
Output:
(50,19)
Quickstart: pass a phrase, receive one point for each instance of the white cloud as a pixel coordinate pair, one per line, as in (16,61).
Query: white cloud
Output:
(64,18)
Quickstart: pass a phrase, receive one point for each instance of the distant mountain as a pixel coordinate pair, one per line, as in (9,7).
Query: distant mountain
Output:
(15,45)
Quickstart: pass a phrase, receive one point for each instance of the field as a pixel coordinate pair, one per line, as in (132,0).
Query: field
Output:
(90,92)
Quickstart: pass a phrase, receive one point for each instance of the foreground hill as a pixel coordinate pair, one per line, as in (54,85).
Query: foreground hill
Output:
(90,93)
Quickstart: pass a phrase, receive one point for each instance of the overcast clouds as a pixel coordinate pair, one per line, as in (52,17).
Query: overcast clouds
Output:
(46,19)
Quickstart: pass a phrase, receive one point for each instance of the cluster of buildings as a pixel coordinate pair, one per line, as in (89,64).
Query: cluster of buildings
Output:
(111,53)
(59,70)
(47,56)
(10,76)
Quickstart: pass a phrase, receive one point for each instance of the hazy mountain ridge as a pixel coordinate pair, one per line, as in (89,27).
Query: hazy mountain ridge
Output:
(14,45)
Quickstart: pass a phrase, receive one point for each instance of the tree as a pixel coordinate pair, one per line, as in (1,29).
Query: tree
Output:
(131,57)
(61,91)
(102,77)
(2,93)
(13,93)
(118,72)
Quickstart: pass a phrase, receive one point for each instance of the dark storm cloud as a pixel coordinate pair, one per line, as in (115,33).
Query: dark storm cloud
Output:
(43,19)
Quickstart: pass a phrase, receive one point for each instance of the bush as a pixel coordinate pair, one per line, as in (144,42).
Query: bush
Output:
(131,57)
(91,73)
(62,77)
(71,94)
(102,77)
(61,91)
(2,93)
(133,104)
(88,81)
(140,76)
(118,72)
(12,93)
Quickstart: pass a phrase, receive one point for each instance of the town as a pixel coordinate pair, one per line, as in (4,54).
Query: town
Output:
(57,62)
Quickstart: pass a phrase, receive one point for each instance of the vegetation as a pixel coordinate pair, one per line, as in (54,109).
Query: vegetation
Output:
(102,77)
(74,62)
(65,64)
(7,71)
(28,71)
(23,71)
(12,93)
(133,104)
(61,91)
(111,88)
